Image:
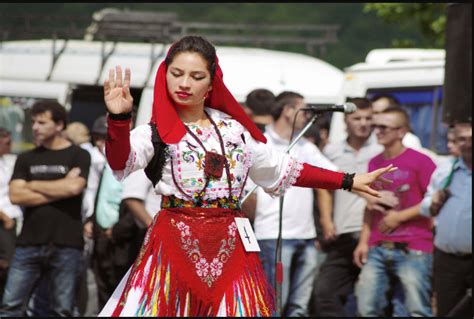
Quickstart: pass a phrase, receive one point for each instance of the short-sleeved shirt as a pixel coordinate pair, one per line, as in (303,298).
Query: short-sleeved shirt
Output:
(349,208)
(7,162)
(98,161)
(410,182)
(454,221)
(58,222)
(138,186)
(108,199)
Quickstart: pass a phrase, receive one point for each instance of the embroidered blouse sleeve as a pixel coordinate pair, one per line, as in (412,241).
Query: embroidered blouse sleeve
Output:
(141,151)
(274,171)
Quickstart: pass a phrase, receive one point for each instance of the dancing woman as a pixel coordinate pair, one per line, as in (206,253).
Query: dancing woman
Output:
(199,149)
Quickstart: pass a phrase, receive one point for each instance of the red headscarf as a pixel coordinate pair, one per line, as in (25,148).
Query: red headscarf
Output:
(171,128)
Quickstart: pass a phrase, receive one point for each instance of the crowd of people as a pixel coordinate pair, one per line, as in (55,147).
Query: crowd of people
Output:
(123,220)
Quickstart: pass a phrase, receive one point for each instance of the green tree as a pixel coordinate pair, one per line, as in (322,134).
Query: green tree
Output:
(429,19)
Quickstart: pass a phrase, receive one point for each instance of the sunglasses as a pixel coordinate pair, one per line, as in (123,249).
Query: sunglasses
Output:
(383,128)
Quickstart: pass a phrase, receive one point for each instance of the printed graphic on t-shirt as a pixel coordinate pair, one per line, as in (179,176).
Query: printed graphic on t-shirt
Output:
(48,171)
(404,188)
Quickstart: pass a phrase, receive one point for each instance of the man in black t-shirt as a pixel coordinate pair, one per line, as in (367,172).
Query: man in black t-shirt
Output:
(48,182)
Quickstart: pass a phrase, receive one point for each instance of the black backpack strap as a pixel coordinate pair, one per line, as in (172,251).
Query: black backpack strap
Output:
(154,169)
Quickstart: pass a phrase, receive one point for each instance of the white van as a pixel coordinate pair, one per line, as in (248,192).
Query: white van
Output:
(72,72)
(414,76)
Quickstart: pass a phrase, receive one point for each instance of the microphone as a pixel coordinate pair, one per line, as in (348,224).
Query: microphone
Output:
(347,107)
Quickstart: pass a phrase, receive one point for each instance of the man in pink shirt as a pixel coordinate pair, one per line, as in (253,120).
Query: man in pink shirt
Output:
(395,240)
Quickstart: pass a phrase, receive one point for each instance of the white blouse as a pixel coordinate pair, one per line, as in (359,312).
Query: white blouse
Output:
(272,170)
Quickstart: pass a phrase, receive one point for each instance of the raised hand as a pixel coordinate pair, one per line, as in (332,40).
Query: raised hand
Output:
(363,182)
(117,95)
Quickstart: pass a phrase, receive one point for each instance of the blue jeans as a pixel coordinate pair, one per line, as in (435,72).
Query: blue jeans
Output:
(299,258)
(413,269)
(30,263)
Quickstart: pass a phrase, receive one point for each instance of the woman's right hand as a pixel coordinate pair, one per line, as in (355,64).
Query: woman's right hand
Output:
(363,182)
(117,95)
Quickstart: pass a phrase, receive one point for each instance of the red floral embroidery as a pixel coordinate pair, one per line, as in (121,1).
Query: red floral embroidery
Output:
(209,272)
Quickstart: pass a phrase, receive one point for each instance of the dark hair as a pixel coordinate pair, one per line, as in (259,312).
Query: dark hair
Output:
(283,99)
(399,110)
(194,43)
(4,132)
(362,103)
(260,101)
(58,112)
(392,100)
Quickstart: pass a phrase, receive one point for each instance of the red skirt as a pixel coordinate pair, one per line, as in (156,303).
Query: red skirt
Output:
(193,263)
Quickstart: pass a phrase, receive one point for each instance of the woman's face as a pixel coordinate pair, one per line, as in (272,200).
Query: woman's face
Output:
(188,79)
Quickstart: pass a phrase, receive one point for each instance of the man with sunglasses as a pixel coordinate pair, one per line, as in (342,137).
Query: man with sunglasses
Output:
(395,240)
(380,103)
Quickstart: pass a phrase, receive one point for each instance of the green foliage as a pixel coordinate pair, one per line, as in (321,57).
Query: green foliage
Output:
(429,19)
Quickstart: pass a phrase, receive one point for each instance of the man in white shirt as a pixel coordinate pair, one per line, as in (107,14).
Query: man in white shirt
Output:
(343,221)
(140,197)
(299,255)
(138,207)
(78,133)
(97,152)
(10,214)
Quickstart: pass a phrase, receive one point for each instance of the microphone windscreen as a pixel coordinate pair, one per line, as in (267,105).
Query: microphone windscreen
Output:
(350,107)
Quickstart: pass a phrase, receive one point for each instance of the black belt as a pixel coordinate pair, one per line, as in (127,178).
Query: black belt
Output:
(393,245)
(462,255)
(457,254)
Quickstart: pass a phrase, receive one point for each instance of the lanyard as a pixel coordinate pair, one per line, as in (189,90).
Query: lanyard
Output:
(451,173)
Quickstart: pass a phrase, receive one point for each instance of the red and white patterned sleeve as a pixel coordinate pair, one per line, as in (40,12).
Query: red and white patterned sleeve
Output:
(127,151)
(275,171)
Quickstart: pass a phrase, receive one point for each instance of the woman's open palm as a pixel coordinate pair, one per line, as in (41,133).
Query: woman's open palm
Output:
(117,95)
(363,182)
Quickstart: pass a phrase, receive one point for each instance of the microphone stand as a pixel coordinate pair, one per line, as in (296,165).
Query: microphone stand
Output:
(278,263)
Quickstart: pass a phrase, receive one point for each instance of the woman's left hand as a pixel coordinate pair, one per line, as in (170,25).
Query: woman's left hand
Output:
(363,182)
